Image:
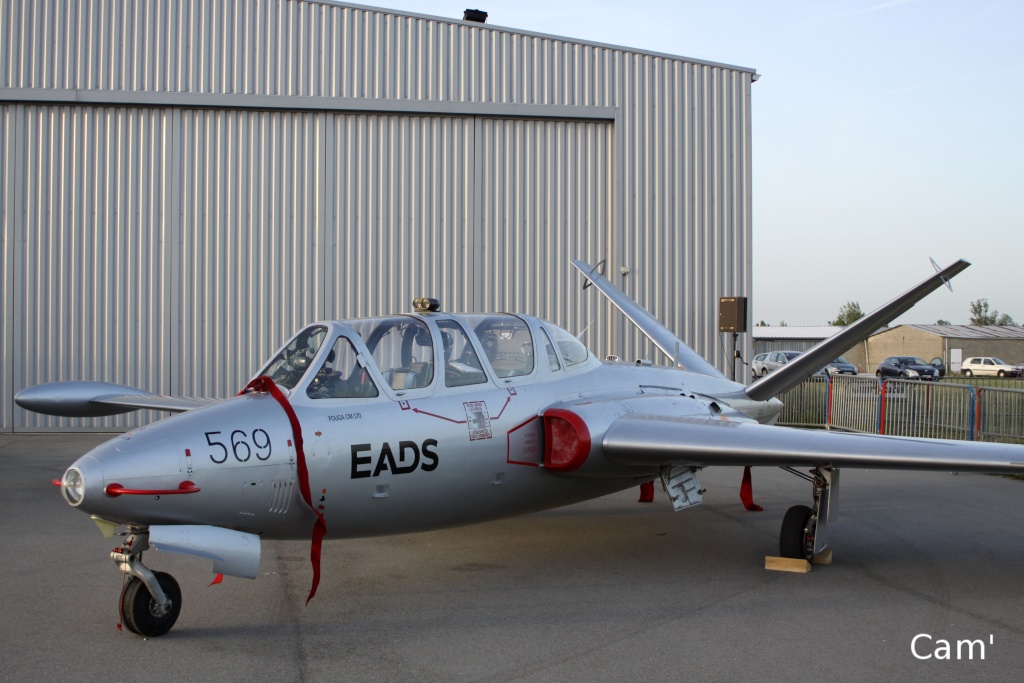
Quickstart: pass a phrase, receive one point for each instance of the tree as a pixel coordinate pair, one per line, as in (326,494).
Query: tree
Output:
(940,321)
(849,313)
(980,315)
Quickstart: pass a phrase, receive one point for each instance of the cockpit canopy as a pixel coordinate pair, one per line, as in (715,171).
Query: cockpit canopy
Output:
(408,353)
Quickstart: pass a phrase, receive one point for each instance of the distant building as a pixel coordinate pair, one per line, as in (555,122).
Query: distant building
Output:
(951,343)
(797,338)
(786,338)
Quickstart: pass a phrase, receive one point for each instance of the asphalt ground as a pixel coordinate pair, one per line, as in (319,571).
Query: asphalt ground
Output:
(609,590)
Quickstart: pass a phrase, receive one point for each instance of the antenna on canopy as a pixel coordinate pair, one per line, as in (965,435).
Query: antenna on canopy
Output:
(579,337)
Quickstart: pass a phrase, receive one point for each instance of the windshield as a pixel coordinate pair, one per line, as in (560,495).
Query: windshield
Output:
(912,360)
(999,361)
(840,359)
(288,366)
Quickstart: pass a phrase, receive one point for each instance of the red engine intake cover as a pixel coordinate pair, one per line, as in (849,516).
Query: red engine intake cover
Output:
(566,440)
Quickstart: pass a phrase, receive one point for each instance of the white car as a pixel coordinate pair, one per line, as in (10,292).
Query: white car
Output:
(982,365)
(757,365)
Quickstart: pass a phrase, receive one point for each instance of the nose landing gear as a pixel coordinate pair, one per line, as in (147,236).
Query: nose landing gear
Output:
(150,601)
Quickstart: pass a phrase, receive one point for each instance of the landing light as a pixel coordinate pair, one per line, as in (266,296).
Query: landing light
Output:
(73,487)
(425,304)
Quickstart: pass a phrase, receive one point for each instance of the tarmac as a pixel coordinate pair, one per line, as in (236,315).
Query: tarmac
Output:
(609,590)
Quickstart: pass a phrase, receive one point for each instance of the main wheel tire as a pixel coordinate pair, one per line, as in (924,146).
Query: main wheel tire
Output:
(968,373)
(1002,374)
(796,540)
(138,609)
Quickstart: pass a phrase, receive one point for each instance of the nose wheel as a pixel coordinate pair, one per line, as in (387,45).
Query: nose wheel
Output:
(150,601)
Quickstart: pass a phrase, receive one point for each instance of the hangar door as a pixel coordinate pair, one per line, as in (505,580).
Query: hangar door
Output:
(482,213)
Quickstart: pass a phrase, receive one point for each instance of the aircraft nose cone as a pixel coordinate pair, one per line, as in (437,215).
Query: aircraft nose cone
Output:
(83,480)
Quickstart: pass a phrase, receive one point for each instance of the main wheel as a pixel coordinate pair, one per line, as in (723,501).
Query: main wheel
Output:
(796,540)
(138,609)
(968,373)
(1002,374)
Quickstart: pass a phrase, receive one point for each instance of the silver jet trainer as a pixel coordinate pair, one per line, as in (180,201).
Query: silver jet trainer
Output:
(428,420)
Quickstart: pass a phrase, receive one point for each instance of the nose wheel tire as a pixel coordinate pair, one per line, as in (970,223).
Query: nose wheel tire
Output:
(140,613)
(796,539)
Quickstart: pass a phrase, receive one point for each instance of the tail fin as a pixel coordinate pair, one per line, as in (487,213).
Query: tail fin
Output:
(809,362)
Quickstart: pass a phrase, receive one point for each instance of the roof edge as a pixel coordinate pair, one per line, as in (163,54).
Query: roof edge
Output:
(506,29)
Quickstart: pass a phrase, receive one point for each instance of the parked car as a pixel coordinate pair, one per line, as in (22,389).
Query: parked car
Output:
(907,367)
(938,365)
(840,366)
(757,365)
(775,360)
(990,366)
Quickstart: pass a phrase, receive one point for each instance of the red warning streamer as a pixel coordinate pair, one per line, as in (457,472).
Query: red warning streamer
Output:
(265,384)
(747,492)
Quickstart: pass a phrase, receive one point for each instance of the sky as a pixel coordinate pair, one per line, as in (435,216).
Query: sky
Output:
(885,133)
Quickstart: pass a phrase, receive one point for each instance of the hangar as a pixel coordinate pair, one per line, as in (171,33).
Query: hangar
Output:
(185,183)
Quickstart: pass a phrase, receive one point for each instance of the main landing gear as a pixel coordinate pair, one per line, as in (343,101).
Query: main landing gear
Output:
(804,533)
(150,601)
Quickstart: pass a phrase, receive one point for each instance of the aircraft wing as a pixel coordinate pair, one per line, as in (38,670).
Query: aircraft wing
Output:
(812,360)
(99,399)
(672,346)
(699,442)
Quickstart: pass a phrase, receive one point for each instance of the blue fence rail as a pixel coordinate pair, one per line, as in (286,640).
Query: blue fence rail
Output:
(937,410)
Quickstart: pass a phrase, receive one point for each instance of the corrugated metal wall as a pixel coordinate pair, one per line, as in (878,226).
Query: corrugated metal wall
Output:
(184,183)
(91,286)
(8,191)
(402,204)
(544,197)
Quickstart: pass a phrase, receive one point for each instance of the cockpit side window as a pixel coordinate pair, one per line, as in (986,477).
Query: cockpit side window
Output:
(288,366)
(571,349)
(341,376)
(553,363)
(461,365)
(402,348)
(507,343)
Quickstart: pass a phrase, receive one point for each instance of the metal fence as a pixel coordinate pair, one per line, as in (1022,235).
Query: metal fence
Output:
(853,403)
(806,405)
(938,411)
(942,410)
(1000,416)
